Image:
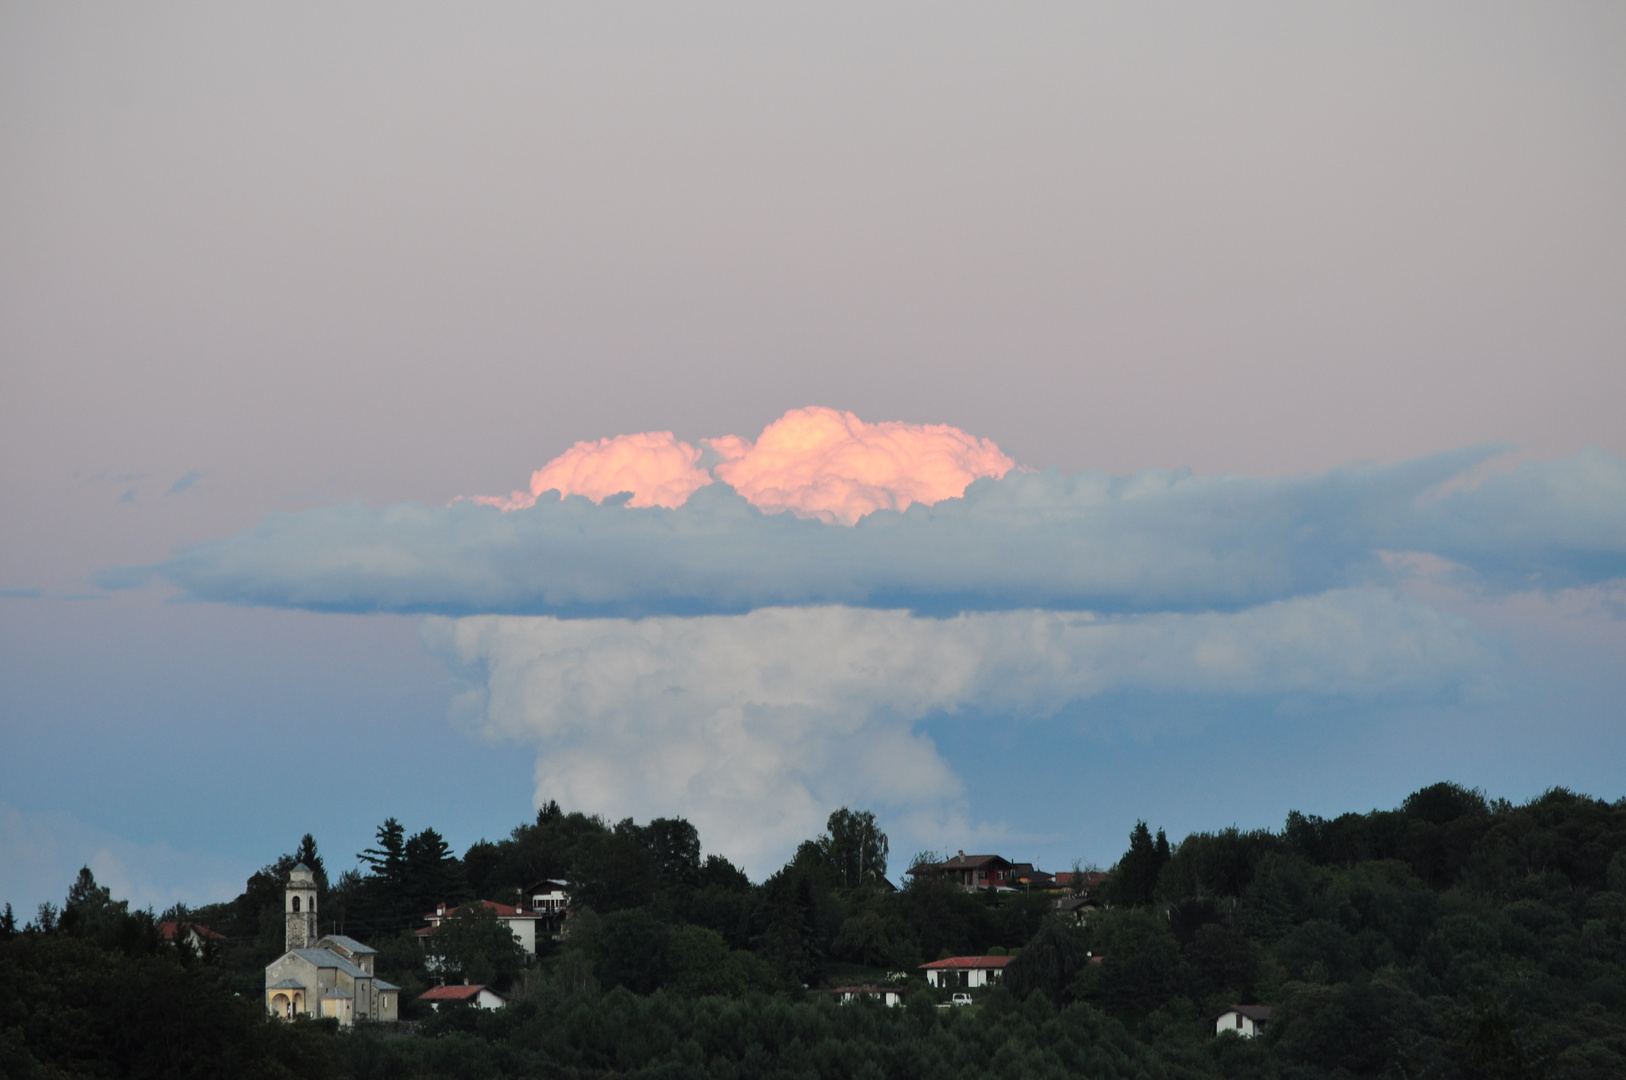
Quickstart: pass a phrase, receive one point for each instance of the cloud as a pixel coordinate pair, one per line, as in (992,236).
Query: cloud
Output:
(655,466)
(814,462)
(1155,541)
(756,726)
(832,466)
(184,482)
(25,593)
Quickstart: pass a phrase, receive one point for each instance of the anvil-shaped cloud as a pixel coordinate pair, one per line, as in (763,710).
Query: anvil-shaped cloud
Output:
(1151,542)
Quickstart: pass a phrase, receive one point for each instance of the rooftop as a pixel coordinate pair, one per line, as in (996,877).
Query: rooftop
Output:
(1255,1013)
(454,993)
(969,962)
(350,944)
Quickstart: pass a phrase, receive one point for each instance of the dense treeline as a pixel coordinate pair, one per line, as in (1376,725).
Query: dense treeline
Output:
(1451,937)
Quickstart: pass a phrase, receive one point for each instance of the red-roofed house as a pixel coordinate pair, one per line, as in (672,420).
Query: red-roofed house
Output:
(965,971)
(970,871)
(480,997)
(520,922)
(191,934)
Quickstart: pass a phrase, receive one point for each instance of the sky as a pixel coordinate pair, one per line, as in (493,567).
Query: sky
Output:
(1035,420)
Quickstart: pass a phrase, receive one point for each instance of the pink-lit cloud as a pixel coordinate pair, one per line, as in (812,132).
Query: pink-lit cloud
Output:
(815,462)
(831,465)
(656,466)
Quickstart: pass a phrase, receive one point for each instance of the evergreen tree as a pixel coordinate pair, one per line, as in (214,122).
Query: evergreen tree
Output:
(1135,879)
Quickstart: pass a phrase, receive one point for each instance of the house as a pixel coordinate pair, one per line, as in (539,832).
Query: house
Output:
(1246,1020)
(550,898)
(969,871)
(193,935)
(887,995)
(965,972)
(479,997)
(1080,881)
(521,923)
(323,976)
(1024,875)
(1079,907)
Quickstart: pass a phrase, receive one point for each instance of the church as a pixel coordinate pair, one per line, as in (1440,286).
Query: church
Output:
(329,976)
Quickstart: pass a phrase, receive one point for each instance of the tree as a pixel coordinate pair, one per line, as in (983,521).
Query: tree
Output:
(614,872)
(1134,882)
(307,854)
(430,873)
(474,943)
(854,848)
(675,845)
(1049,962)
(388,859)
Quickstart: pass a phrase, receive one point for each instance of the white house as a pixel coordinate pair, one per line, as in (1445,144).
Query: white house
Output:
(328,976)
(480,997)
(885,994)
(549,898)
(522,924)
(1246,1020)
(959,972)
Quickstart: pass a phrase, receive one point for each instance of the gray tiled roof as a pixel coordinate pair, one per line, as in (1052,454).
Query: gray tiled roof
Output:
(327,958)
(287,984)
(380,984)
(350,943)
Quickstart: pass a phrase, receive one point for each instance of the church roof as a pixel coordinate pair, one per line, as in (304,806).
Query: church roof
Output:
(301,866)
(380,984)
(327,958)
(287,984)
(350,944)
(334,993)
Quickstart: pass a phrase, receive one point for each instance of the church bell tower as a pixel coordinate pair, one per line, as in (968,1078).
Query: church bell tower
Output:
(299,906)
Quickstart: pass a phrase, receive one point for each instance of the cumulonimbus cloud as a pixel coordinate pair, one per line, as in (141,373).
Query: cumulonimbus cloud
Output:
(814,462)
(1150,542)
(753,726)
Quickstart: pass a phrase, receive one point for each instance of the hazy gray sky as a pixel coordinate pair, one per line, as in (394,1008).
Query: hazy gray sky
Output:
(264,257)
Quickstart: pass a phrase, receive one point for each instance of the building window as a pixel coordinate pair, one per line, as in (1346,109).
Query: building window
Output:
(296,903)
(1239,1021)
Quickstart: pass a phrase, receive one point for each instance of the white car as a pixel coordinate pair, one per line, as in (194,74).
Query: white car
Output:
(960,999)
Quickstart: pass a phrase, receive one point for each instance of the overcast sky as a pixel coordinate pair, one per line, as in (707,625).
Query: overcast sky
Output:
(319,261)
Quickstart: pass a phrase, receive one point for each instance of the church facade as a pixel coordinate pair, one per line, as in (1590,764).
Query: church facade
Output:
(323,976)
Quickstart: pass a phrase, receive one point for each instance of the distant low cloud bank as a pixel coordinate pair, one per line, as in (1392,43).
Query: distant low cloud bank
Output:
(1155,541)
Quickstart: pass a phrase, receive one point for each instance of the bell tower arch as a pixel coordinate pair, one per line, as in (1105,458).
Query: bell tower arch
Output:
(299,908)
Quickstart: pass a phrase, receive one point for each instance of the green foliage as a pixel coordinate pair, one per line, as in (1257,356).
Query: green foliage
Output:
(854,848)
(1050,963)
(1134,879)
(1453,937)
(472,943)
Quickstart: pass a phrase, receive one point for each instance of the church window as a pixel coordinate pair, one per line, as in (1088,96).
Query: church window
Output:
(296,903)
